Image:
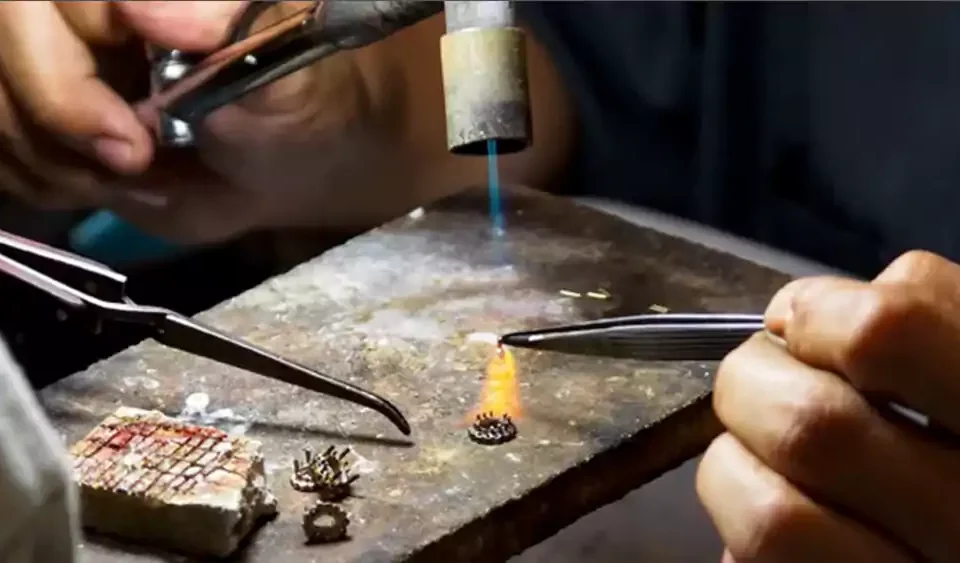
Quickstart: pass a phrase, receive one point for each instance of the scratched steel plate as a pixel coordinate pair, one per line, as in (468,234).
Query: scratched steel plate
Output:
(392,310)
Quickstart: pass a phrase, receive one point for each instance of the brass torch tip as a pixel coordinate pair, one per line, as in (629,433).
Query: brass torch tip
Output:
(486,90)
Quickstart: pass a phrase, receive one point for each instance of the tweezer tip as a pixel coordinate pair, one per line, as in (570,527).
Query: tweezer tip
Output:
(520,339)
(512,339)
(388,410)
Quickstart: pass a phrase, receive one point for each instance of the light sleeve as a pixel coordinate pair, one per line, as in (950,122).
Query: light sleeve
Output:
(38,503)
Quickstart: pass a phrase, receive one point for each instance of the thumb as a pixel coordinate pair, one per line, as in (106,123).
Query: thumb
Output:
(188,25)
(781,306)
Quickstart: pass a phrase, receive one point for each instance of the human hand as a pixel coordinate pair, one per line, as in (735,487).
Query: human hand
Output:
(299,152)
(808,469)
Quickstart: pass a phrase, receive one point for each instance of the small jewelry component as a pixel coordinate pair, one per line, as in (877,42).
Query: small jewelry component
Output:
(302,478)
(490,430)
(327,474)
(325,522)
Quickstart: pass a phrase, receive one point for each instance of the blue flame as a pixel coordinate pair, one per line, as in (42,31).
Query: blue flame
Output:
(493,184)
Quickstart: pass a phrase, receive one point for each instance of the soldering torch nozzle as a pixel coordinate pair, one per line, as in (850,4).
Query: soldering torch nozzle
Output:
(486,91)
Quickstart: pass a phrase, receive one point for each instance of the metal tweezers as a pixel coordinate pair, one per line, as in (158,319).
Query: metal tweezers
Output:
(652,337)
(671,337)
(103,298)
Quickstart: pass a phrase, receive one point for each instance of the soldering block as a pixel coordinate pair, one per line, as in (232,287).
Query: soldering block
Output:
(148,478)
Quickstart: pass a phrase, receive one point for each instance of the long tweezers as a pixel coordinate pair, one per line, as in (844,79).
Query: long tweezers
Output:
(103,298)
(653,337)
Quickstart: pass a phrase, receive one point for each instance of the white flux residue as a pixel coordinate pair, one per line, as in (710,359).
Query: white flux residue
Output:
(362,465)
(195,412)
(484,338)
(196,403)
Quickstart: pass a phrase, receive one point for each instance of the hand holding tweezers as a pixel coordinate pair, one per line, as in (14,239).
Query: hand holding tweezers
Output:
(252,58)
(653,337)
(103,298)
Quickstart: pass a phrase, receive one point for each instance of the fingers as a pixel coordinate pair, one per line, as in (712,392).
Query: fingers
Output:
(926,272)
(762,518)
(39,170)
(52,75)
(188,25)
(923,271)
(816,431)
(198,206)
(94,22)
(897,342)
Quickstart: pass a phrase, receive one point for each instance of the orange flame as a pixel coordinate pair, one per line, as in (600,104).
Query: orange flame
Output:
(501,391)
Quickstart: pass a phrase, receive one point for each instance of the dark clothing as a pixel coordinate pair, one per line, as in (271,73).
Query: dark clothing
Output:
(828,129)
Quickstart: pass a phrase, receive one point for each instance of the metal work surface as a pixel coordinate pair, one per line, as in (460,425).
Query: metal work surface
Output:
(393,310)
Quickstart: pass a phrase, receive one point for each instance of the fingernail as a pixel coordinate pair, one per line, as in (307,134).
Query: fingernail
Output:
(115,153)
(780,309)
(146,197)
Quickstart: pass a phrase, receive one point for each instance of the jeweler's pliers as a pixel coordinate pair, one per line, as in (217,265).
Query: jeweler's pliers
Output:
(186,91)
(654,337)
(96,294)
